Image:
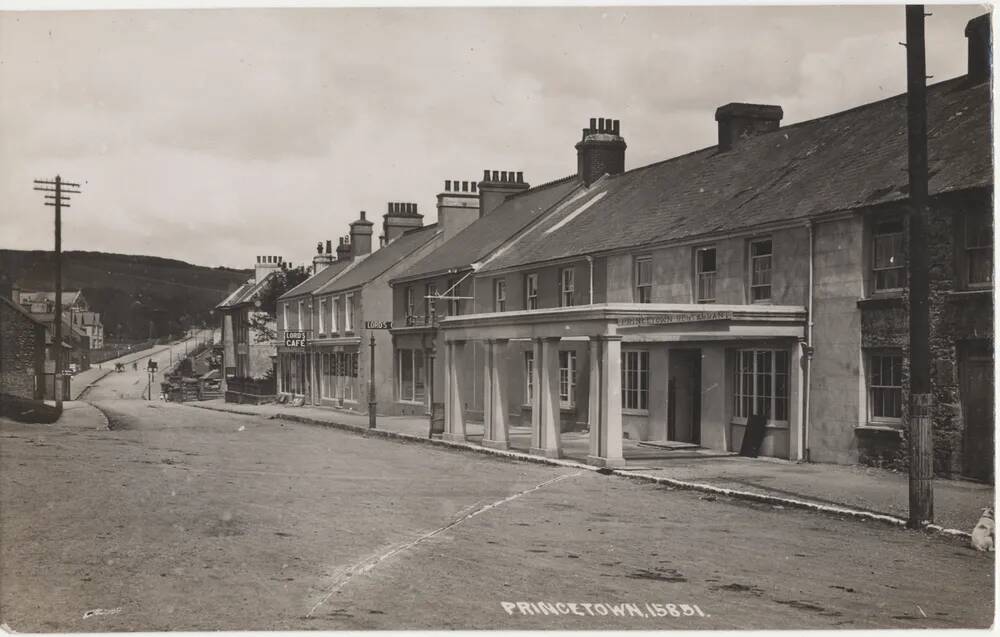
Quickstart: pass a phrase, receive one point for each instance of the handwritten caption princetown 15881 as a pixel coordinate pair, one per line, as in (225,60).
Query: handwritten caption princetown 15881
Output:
(644,610)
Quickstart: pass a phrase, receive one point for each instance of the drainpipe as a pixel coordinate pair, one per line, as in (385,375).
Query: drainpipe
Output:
(809,343)
(590,260)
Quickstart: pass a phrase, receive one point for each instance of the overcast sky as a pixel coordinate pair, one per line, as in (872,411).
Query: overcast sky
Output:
(213,136)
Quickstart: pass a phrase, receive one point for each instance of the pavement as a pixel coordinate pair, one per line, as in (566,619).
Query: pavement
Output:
(854,490)
(134,515)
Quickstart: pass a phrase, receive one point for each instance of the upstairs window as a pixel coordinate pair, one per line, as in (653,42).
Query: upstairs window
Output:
(409,301)
(705,271)
(299,317)
(888,262)
(349,313)
(430,301)
(567,286)
(500,295)
(453,302)
(760,271)
(978,250)
(322,316)
(335,305)
(531,291)
(643,280)
(284,316)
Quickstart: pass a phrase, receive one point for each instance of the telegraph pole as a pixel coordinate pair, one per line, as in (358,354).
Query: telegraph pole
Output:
(921,399)
(59,199)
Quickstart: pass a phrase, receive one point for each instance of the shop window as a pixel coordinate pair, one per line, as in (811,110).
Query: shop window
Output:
(411,375)
(705,271)
(635,380)
(567,286)
(499,295)
(885,386)
(322,316)
(349,313)
(888,261)
(531,291)
(529,377)
(977,250)
(643,280)
(760,271)
(567,378)
(761,385)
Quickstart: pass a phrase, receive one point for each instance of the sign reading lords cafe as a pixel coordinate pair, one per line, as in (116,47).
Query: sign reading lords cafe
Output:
(295,338)
(669,318)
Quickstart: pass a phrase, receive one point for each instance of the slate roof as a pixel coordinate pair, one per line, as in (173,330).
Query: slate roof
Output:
(317,280)
(17,306)
(68,298)
(485,234)
(378,262)
(844,161)
(245,293)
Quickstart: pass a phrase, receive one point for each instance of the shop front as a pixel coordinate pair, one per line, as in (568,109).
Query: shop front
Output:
(661,373)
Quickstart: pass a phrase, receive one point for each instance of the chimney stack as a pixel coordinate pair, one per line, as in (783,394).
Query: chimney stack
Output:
(496,187)
(264,266)
(399,218)
(458,206)
(344,249)
(322,260)
(738,121)
(601,151)
(361,236)
(980,38)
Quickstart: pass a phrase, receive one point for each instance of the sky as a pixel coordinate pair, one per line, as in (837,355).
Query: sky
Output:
(215,135)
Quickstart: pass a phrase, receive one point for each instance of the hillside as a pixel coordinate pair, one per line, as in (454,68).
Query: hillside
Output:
(138,296)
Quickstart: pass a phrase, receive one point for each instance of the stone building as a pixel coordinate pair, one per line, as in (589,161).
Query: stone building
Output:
(22,352)
(758,282)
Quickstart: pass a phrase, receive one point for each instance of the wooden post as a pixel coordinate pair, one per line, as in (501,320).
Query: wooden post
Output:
(921,398)
(371,384)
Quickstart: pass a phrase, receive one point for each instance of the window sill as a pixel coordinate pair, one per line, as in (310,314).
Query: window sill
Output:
(403,401)
(974,294)
(883,299)
(770,425)
(880,427)
(635,412)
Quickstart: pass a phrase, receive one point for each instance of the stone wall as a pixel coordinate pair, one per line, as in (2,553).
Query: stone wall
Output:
(22,354)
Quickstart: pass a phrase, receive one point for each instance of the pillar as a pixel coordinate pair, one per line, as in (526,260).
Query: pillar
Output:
(496,434)
(606,439)
(796,421)
(547,370)
(594,396)
(454,409)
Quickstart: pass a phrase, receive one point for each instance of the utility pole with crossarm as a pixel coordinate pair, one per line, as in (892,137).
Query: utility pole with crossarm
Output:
(59,199)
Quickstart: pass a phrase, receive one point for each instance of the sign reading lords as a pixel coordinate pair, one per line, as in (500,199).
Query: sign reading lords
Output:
(378,325)
(668,318)
(295,338)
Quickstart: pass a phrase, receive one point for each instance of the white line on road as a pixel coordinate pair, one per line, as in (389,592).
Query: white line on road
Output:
(343,575)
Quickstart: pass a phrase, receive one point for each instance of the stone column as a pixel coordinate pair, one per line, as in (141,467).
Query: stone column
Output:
(536,393)
(796,421)
(594,397)
(455,422)
(609,435)
(548,392)
(496,435)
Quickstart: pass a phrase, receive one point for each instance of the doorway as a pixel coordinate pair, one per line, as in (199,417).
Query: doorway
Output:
(975,371)
(684,396)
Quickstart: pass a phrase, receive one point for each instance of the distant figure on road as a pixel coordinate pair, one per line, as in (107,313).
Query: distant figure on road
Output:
(135,365)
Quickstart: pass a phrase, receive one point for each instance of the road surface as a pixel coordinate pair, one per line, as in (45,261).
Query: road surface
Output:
(179,518)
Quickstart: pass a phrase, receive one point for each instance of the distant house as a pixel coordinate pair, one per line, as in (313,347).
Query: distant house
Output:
(22,352)
(75,309)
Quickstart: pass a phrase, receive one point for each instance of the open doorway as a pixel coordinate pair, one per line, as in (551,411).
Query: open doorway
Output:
(684,396)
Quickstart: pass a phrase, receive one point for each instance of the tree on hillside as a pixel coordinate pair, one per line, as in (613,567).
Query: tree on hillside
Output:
(261,320)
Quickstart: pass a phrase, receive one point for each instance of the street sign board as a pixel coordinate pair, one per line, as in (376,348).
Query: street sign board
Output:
(152,366)
(295,338)
(378,325)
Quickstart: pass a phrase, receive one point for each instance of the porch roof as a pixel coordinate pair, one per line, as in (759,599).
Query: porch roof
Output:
(634,322)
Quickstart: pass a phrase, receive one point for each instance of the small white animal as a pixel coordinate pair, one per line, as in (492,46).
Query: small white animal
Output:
(982,535)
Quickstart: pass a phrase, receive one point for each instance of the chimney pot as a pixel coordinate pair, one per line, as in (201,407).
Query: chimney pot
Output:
(486,175)
(600,125)
(447,185)
(319,248)
(593,123)
(503,175)
(465,186)
(328,246)
(977,31)
(363,216)
(520,177)
(496,175)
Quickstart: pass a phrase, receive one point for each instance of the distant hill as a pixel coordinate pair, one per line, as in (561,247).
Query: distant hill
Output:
(137,296)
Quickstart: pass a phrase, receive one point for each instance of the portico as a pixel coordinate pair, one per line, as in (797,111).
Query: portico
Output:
(662,394)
